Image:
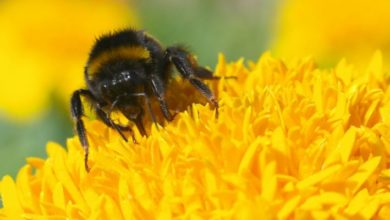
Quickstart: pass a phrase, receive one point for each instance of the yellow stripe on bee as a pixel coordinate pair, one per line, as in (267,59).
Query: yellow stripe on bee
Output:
(124,52)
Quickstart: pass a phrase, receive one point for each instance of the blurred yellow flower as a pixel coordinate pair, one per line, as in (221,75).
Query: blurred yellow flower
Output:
(44,46)
(332,29)
(291,141)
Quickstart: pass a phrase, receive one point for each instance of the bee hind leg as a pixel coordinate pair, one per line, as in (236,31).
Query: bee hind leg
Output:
(188,68)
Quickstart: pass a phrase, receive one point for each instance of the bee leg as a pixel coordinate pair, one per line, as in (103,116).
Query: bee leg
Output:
(107,117)
(77,112)
(159,91)
(138,122)
(204,73)
(135,116)
(156,52)
(189,69)
(107,120)
(148,106)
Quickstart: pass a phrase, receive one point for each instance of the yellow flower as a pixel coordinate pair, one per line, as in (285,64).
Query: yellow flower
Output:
(291,141)
(332,29)
(44,46)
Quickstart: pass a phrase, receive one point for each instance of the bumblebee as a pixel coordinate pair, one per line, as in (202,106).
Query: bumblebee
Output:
(125,69)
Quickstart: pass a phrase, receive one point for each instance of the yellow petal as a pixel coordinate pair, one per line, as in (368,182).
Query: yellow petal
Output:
(318,177)
(269,181)
(343,150)
(289,207)
(364,171)
(10,198)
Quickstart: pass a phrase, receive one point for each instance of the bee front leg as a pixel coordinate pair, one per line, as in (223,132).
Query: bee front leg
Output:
(135,114)
(158,90)
(107,120)
(77,113)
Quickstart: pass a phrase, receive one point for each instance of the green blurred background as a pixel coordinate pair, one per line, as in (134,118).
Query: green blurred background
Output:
(208,27)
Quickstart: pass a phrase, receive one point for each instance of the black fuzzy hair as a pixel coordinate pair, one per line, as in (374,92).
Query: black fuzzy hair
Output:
(125,37)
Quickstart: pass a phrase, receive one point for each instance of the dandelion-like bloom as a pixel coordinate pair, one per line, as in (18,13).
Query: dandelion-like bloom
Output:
(331,29)
(291,141)
(45,44)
